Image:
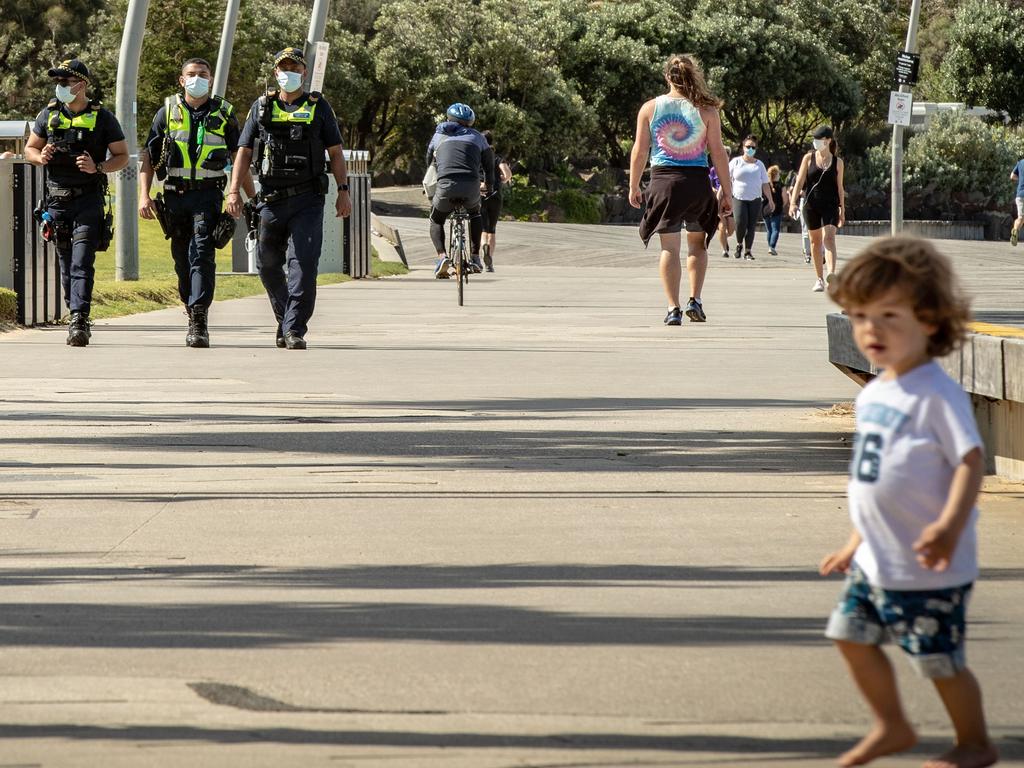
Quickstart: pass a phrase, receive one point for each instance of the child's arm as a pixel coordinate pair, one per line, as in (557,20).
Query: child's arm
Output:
(839,561)
(937,542)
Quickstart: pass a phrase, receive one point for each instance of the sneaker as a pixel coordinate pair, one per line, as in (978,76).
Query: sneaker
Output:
(829,278)
(748,256)
(442,267)
(489,267)
(807,258)
(488,261)
(725,254)
(772,252)
(1013,236)
(819,286)
(695,311)
(739,251)
(674,317)
(475,265)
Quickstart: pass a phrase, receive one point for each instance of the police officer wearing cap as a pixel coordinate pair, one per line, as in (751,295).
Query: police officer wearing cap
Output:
(192,139)
(79,142)
(285,137)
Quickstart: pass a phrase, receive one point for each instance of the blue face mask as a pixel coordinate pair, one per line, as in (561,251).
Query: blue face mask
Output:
(64,94)
(750,151)
(289,81)
(197,86)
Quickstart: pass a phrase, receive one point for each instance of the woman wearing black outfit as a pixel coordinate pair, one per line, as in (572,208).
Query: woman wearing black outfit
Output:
(821,180)
(490,206)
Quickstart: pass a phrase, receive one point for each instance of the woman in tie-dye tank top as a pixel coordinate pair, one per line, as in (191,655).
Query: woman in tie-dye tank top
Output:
(676,132)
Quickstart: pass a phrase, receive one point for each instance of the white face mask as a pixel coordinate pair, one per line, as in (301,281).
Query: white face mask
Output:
(819,143)
(64,94)
(197,86)
(289,81)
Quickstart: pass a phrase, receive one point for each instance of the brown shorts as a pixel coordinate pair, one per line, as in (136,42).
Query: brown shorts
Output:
(679,198)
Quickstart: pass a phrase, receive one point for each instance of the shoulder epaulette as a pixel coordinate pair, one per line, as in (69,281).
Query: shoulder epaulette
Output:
(314,96)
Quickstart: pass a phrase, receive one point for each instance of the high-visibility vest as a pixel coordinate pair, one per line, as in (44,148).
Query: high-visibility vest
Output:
(290,150)
(210,138)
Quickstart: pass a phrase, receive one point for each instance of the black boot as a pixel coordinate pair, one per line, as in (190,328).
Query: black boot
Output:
(190,335)
(78,330)
(279,337)
(198,333)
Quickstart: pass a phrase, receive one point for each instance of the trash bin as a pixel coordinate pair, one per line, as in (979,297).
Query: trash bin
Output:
(346,245)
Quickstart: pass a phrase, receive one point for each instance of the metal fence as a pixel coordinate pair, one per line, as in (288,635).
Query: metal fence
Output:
(28,264)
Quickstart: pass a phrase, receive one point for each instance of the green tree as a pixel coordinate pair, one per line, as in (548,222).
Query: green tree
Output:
(35,34)
(984,65)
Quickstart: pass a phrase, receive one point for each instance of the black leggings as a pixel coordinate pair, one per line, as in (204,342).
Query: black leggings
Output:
(466,194)
(748,213)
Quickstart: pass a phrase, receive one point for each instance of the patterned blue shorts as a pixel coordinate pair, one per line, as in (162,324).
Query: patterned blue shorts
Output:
(929,625)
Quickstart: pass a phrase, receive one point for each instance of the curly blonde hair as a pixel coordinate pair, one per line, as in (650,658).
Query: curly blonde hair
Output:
(925,277)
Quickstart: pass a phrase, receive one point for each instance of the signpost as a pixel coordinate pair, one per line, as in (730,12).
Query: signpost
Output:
(907,62)
(900,108)
(316,83)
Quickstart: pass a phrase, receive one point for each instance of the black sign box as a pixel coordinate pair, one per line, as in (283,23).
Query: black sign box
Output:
(907,66)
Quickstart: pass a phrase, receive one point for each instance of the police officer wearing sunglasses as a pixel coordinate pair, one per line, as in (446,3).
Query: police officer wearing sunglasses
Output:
(79,142)
(285,137)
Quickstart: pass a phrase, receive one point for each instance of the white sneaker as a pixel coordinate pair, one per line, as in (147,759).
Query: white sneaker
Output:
(819,286)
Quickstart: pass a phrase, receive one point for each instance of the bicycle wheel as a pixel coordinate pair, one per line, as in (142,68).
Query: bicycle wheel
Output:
(460,271)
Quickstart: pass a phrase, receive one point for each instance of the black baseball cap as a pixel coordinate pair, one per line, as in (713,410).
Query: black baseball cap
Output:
(295,54)
(822,132)
(71,68)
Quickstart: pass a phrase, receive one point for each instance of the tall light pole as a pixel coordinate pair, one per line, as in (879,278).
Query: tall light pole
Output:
(126,186)
(897,130)
(239,257)
(317,27)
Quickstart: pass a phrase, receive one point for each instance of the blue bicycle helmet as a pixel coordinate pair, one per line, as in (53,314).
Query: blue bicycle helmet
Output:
(461,113)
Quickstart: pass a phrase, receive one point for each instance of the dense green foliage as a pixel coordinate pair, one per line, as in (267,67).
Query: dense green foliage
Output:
(557,80)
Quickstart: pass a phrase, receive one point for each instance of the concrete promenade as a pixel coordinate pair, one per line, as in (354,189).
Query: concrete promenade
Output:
(539,530)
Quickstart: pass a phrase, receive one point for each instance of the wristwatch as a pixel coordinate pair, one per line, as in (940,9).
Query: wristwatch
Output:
(99,167)
(343,187)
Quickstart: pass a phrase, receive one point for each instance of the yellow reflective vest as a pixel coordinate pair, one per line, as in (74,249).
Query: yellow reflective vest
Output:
(210,138)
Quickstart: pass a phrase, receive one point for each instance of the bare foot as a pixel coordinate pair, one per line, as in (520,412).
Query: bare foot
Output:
(882,740)
(965,756)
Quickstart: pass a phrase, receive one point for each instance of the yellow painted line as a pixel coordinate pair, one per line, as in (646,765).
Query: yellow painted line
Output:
(989,329)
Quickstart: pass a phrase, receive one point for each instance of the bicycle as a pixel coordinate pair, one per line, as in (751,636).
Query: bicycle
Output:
(458,253)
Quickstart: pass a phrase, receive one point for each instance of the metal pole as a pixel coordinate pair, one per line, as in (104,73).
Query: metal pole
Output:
(227,43)
(317,27)
(239,258)
(126,186)
(897,130)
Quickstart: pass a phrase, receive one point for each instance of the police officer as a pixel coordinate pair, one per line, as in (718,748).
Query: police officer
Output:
(193,137)
(292,129)
(79,142)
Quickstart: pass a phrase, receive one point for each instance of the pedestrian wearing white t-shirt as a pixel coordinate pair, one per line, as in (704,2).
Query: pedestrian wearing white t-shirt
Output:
(750,183)
(916,470)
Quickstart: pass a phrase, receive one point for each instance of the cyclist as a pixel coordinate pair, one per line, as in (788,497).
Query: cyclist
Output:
(463,157)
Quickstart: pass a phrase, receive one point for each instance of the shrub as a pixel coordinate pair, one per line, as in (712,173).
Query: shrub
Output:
(579,207)
(8,306)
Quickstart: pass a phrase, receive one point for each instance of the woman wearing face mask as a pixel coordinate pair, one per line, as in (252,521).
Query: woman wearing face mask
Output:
(192,139)
(749,184)
(821,181)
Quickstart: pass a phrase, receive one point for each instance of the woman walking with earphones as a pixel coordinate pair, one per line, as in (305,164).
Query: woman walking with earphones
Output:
(821,174)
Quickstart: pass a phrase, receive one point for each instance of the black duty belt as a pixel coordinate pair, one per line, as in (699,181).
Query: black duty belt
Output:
(319,185)
(179,185)
(62,192)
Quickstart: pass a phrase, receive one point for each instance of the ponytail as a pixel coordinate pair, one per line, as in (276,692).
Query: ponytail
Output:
(684,72)
(833,147)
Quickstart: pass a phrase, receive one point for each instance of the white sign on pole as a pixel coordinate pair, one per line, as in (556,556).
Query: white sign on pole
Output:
(901,105)
(319,67)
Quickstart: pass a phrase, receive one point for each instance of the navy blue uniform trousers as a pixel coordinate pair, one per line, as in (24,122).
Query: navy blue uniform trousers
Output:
(193,217)
(78,224)
(292,233)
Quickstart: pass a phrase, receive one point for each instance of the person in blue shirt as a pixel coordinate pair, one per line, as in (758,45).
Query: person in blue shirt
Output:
(1017,175)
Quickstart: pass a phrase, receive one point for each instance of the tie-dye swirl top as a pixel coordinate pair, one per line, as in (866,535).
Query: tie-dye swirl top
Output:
(678,134)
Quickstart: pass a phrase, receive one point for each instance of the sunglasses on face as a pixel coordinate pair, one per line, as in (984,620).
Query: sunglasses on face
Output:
(66,82)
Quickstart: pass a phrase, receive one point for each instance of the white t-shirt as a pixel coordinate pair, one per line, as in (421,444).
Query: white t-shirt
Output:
(912,432)
(747,178)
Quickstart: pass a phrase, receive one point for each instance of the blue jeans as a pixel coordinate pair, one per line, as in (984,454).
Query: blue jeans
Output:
(194,216)
(292,231)
(773,226)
